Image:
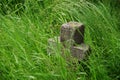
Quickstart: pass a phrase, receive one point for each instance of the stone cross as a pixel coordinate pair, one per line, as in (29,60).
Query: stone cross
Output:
(72,38)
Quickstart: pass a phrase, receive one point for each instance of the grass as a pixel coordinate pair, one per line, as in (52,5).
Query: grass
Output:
(23,41)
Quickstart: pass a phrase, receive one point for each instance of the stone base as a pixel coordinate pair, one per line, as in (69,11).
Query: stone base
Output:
(78,52)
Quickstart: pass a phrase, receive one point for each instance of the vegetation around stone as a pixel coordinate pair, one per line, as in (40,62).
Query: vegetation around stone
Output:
(26,26)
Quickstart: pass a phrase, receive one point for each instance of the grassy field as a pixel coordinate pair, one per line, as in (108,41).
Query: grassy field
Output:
(25,29)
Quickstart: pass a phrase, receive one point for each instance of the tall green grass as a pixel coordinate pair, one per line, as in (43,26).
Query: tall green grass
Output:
(23,41)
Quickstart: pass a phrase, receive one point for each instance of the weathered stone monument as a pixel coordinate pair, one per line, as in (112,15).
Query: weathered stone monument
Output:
(71,38)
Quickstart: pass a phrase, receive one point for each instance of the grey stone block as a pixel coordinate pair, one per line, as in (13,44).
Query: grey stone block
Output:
(73,31)
(80,52)
(52,45)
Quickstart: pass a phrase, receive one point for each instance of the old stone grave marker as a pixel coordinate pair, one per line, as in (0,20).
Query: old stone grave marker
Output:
(72,38)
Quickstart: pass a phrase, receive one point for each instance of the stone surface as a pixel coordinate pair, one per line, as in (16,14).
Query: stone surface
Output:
(73,31)
(52,45)
(80,52)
